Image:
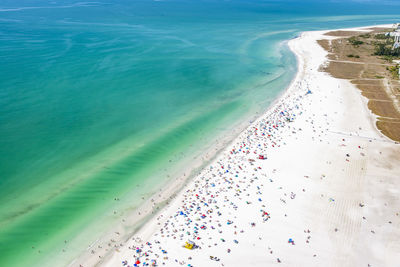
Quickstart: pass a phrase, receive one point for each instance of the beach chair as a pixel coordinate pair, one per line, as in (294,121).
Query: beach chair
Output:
(189,245)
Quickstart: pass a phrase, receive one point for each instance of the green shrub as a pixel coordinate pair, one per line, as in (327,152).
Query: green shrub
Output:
(367,35)
(355,56)
(355,42)
(381,36)
(394,70)
(386,51)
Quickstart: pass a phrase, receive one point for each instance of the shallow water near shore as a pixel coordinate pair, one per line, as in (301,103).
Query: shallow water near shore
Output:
(100,102)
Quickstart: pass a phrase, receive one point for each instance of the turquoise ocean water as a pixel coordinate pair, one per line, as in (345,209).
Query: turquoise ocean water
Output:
(101,102)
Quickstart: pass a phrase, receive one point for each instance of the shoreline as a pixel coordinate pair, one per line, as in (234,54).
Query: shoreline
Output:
(164,215)
(168,191)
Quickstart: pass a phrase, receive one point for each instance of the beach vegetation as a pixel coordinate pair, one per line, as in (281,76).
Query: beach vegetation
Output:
(394,70)
(381,36)
(366,35)
(385,50)
(388,58)
(355,42)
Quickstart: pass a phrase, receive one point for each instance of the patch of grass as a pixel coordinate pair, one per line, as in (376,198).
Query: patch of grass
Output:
(355,42)
(367,35)
(394,70)
(381,36)
(379,77)
(388,58)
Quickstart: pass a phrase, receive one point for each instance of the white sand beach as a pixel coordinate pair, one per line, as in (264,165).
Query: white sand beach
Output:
(329,182)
